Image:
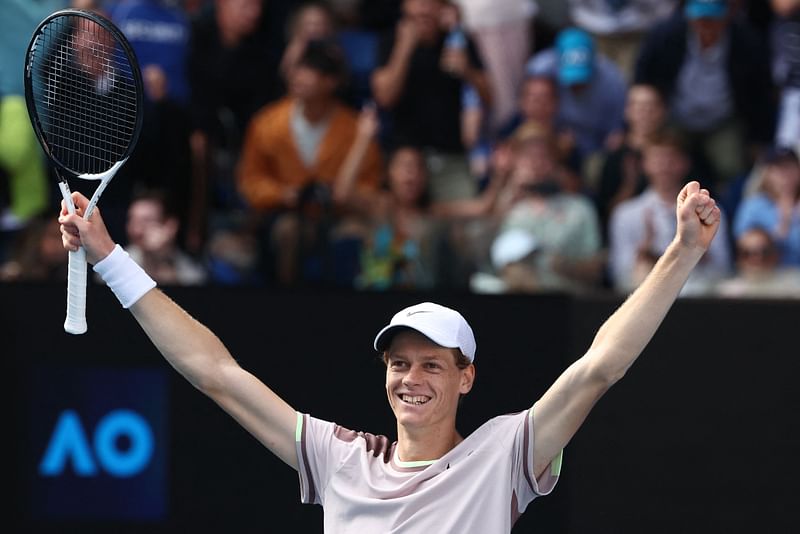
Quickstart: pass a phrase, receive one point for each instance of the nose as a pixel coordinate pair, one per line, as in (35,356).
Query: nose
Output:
(413,376)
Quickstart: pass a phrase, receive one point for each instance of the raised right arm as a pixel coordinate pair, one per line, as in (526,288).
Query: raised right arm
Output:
(388,82)
(193,350)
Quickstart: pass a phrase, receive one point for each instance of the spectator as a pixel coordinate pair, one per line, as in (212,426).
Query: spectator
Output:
(564,225)
(420,81)
(24,191)
(473,222)
(475,135)
(538,106)
(163,159)
(360,42)
(714,73)
(17,23)
(293,153)
(618,26)
(503,34)
(759,274)
(776,206)
(159,33)
(38,254)
(312,21)
(588,82)
(233,72)
(642,227)
(340,22)
(152,231)
(399,250)
(622,176)
(785,44)
(513,260)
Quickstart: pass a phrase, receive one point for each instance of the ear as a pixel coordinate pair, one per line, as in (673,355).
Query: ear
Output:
(467,379)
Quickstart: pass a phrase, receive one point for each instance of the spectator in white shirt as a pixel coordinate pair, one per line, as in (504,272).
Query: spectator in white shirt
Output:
(641,228)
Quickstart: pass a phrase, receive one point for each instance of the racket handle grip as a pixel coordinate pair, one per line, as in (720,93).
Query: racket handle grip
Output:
(76,293)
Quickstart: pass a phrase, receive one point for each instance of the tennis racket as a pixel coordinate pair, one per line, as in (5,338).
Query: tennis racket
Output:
(84,93)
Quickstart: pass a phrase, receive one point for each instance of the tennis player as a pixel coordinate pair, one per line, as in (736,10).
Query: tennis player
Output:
(431,479)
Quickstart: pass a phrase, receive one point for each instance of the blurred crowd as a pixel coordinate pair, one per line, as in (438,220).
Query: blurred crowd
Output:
(495,147)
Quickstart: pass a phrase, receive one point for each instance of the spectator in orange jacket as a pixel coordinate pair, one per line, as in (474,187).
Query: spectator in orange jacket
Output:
(294,151)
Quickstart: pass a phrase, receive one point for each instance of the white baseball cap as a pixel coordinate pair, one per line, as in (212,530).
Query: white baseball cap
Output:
(512,246)
(442,325)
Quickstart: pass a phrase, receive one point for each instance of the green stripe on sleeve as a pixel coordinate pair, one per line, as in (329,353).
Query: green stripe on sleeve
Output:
(555,465)
(298,431)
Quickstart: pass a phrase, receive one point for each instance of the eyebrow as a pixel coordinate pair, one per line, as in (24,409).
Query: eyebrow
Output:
(427,357)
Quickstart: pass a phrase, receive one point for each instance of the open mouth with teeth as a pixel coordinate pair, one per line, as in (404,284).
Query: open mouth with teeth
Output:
(416,400)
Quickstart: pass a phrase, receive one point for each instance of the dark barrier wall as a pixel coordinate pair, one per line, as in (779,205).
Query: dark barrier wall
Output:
(700,436)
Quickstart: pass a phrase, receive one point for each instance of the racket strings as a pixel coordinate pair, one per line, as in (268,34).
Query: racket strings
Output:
(84,93)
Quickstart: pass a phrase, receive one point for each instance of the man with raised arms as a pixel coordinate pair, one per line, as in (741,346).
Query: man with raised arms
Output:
(431,479)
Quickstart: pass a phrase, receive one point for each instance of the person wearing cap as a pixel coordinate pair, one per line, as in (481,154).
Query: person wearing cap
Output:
(592,89)
(619,26)
(296,149)
(431,478)
(715,74)
(512,254)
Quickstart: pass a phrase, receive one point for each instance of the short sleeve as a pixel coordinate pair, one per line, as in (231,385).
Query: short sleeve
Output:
(318,456)
(524,482)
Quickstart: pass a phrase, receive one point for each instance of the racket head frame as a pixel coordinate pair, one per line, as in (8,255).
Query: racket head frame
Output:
(136,75)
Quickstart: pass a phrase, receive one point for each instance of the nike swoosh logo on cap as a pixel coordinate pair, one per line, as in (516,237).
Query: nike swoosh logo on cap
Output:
(409,314)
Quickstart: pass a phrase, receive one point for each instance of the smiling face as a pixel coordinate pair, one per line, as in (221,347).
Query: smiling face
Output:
(424,382)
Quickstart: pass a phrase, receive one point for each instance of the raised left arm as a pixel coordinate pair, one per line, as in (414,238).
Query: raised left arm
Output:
(564,407)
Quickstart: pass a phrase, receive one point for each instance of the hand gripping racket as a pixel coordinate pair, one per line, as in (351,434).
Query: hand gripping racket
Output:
(84,93)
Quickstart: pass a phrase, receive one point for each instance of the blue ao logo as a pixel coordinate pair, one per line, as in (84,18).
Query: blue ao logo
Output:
(100,439)
(71,444)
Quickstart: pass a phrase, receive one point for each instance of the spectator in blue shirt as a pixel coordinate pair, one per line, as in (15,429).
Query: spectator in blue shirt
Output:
(159,34)
(591,90)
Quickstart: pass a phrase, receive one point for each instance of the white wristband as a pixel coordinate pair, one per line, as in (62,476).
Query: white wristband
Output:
(124,276)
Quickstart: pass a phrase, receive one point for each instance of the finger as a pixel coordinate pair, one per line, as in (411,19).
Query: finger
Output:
(713,217)
(702,202)
(69,219)
(688,190)
(79,200)
(692,201)
(70,242)
(71,230)
(706,210)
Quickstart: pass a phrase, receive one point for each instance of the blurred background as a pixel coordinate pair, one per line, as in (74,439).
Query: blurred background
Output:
(318,165)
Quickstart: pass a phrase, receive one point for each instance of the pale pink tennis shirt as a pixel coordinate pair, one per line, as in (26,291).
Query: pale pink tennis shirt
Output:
(481,486)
